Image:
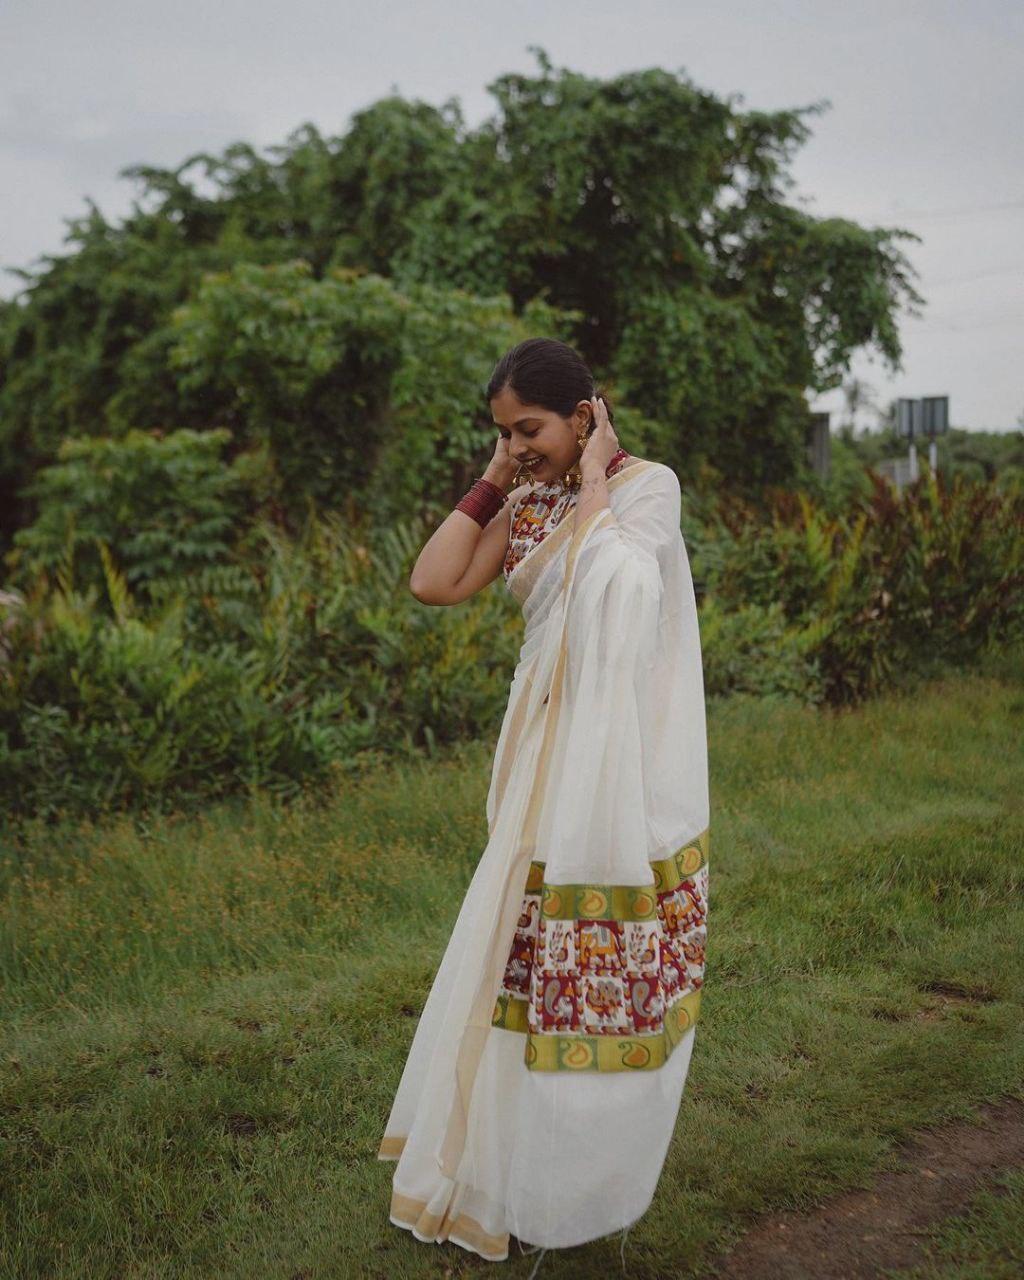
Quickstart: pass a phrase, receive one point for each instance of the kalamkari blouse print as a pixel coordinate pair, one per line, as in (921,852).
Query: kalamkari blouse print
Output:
(538,512)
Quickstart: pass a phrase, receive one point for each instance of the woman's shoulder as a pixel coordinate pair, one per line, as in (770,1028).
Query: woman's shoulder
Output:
(655,470)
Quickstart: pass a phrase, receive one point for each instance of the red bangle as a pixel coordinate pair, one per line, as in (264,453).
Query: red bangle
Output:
(499,493)
(483,501)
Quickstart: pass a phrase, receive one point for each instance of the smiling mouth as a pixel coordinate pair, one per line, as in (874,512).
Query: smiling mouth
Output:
(533,463)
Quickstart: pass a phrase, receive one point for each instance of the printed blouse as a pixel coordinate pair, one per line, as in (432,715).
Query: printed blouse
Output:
(541,510)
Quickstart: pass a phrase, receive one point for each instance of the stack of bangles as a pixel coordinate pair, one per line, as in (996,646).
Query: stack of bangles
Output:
(482,502)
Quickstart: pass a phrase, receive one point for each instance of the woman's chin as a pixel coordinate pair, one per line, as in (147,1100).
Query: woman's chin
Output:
(547,471)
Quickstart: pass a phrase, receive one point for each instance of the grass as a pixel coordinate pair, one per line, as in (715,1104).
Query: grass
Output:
(204,1020)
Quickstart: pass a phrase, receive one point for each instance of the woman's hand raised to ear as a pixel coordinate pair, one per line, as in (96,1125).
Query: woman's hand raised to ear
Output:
(602,443)
(502,468)
(599,450)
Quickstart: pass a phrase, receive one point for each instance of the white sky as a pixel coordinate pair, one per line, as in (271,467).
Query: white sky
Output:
(924,130)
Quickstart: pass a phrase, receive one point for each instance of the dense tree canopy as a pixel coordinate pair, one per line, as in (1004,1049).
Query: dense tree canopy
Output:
(640,218)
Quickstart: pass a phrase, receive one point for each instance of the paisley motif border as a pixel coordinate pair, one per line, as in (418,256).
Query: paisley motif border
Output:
(546,1051)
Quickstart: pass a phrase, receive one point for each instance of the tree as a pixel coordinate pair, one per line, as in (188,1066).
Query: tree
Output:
(649,211)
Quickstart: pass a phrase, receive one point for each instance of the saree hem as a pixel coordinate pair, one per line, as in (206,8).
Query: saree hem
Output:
(434,1228)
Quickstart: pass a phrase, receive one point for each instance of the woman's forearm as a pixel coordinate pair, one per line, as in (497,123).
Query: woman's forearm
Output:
(449,550)
(593,495)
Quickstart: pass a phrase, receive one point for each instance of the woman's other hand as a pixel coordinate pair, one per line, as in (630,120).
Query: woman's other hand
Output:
(602,443)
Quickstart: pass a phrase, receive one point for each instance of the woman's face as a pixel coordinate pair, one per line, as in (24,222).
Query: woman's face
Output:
(534,432)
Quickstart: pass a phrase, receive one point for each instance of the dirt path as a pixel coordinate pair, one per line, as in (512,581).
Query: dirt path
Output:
(858,1233)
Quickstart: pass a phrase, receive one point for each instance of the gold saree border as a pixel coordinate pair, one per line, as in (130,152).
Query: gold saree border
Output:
(518,579)
(511,747)
(413,1214)
(587,901)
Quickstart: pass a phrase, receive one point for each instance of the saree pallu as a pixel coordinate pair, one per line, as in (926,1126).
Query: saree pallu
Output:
(546,1112)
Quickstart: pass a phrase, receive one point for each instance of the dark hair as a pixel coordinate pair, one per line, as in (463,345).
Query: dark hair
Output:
(547,372)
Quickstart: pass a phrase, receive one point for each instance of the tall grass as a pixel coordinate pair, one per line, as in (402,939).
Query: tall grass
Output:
(206,1017)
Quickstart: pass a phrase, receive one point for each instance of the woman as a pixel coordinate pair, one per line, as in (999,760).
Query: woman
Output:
(543,1083)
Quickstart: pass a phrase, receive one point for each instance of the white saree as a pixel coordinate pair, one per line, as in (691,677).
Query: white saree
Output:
(544,1079)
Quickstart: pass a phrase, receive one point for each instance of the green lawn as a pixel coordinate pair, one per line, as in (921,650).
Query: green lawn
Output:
(204,1021)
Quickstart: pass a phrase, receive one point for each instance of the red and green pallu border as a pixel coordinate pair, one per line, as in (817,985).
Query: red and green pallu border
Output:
(547,1051)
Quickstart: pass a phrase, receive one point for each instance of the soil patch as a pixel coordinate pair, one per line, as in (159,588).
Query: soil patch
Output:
(859,1234)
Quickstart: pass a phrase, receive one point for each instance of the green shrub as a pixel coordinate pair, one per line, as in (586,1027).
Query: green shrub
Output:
(164,504)
(312,658)
(751,650)
(293,656)
(896,581)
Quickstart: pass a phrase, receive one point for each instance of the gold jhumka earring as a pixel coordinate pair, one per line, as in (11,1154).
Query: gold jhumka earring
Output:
(573,478)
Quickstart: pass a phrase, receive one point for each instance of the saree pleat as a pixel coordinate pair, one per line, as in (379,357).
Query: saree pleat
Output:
(554,1125)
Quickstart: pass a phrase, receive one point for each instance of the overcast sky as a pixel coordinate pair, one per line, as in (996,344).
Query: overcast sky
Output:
(924,130)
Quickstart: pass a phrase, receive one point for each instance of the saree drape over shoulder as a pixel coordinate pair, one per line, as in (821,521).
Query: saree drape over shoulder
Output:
(544,1079)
